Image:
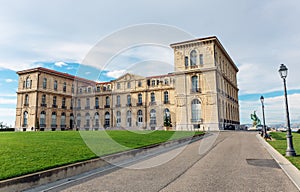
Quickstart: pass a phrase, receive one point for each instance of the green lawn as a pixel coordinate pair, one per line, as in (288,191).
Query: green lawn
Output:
(279,143)
(27,152)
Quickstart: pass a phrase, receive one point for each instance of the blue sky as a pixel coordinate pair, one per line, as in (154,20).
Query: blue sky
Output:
(259,35)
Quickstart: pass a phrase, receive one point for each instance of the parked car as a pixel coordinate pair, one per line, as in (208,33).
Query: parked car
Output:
(295,130)
(282,129)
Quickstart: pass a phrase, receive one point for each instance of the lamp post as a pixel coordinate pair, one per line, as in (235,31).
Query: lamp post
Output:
(289,138)
(264,130)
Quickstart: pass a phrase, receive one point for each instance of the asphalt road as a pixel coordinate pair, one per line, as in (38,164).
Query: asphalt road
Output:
(234,161)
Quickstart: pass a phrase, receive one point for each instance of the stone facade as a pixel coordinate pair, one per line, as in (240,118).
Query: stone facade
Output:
(201,93)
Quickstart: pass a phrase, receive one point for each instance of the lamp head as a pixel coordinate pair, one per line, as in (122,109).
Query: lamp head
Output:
(283,71)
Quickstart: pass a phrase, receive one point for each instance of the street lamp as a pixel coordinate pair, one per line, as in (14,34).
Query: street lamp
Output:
(264,130)
(289,138)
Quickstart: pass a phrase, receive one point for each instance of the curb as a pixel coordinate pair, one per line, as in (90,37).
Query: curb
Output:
(43,177)
(288,168)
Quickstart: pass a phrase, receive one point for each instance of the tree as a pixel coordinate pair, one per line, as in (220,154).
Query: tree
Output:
(167,121)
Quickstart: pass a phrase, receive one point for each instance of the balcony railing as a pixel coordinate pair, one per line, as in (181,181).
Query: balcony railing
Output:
(78,108)
(198,120)
(43,105)
(63,126)
(42,125)
(53,125)
(106,106)
(139,104)
(87,107)
(64,107)
(129,105)
(54,106)
(152,103)
(166,102)
(26,104)
(97,107)
(24,125)
(196,90)
(118,105)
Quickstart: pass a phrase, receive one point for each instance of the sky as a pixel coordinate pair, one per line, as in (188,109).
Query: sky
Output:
(259,35)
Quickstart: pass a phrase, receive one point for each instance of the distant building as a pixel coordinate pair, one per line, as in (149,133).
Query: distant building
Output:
(201,93)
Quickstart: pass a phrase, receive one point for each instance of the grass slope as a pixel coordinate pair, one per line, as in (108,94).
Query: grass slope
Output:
(280,145)
(27,152)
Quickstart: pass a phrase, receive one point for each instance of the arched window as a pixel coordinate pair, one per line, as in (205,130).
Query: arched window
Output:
(129,119)
(193,58)
(25,119)
(28,83)
(78,120)
(196,110)
(106,119)
(53,119)
(152,97)
(43,119)
(97,102)
(153,119)
(128,100)
(44,83)
(167,118)
(26,102)
(43,99)
(54,100)
(96,119)
(118,100)
(63,120)
(71,121)
(195,87)
(118,118)
(55,85)
(166,97)
(140,99)
(87,120)
(63,102)
(128,85)
(140,118)
(65,87)
(107,101)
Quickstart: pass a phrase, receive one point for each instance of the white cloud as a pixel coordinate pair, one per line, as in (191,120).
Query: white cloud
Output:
(60,64)
(116,73)
(87,73)
(10,80)
(7,101)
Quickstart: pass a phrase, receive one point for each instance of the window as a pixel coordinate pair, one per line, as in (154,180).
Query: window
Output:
(118,118)
(196,110)
(87,102)
(186,61)
(108,87)
(96,119)
(55,85)
(72,103)
(53,119)
(97,102)
(26,102)
(128,85)
(201,59)
(78,120)
(65,87)
(25,119)
(153,119)
(140,98)
(118,86)
(152,97)
(63,102)
(28,83)
(139,83)
(89,90)
(193,58)
(43,119)
(80,90)
(166,97)
(54,100)
(72,88)
(44,83)
(98,88)
(106,120)
(140,118)
(195,87)
(63,120)
(128,118)
(104,88)
(118,100)
(44,99)
(87,120)
(107,101)
(71,121)
(78,103)
(128,100)
(166,82)
(153,83)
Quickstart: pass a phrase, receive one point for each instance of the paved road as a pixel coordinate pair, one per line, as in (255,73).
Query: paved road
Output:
(235,162)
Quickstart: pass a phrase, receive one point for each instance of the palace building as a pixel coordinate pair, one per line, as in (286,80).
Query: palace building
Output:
(201,92)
